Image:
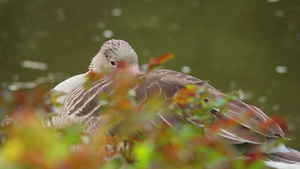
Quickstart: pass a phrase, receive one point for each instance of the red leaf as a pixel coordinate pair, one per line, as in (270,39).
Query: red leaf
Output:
(91,78)
(253,157)
(159,61)
(164,58)
(281,122)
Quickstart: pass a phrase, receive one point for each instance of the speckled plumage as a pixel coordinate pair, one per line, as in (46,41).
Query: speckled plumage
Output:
(83,106)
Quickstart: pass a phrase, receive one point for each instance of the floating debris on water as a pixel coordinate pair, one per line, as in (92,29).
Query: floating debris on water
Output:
(276,107)
(34,65)
(22,85)
(186,69)
(97,38)
(279,13)
(108,33)
(116,12)
(101,25)
(262,99)
(245,95)
(232,84)
(272,1)
(49,78)
(281,69)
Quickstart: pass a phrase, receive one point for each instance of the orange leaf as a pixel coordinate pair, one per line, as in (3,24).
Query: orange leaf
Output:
(91,78)
(159,61)
(164,58)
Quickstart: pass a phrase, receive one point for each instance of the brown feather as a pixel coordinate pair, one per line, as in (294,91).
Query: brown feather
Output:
(252,125)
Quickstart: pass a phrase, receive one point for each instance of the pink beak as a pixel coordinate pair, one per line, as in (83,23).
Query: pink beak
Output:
(134,69)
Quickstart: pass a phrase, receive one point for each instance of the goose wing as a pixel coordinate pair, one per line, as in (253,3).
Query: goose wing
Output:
(252,125)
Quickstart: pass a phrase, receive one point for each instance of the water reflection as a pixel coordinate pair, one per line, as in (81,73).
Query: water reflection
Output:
(281,69)
(108,34)
(186,69)
(60,13)
(50,78)
(271,1)
(279,13)
(34,65)
(116,12)
(249,45)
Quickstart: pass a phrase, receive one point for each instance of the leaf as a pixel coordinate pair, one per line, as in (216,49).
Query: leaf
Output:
(91,78)
(144,151)
(164,58)
(154,63)
(55,95)
(58,104)
(14,150)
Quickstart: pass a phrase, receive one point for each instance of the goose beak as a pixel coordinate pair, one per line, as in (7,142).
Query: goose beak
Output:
(134,69)
(131,69)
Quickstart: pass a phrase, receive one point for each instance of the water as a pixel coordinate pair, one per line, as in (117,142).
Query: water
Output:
(252,45)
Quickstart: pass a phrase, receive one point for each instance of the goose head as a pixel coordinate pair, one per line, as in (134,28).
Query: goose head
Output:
(111,54)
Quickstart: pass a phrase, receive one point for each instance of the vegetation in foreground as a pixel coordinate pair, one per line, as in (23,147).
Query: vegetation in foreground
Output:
(26,142)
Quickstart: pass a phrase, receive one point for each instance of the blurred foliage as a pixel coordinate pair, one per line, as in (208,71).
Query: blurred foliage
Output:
(26,142)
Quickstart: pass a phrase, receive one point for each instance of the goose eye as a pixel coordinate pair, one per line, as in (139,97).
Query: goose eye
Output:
(113,64)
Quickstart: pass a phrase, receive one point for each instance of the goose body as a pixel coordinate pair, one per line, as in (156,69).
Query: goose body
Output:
(81,105)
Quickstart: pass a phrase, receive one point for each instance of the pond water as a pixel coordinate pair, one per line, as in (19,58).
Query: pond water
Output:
(253,45)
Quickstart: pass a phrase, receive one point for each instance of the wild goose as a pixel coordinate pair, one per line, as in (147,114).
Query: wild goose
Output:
(81,105)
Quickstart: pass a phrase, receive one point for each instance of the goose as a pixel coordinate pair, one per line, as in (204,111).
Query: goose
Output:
(83,105)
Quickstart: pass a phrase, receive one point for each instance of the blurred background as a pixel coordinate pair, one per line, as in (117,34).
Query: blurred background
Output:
(253,45)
